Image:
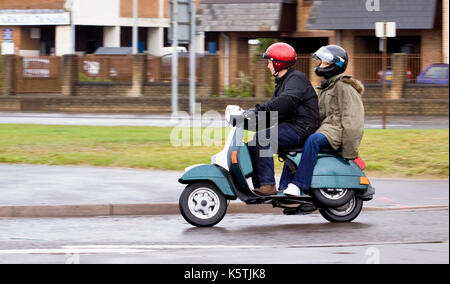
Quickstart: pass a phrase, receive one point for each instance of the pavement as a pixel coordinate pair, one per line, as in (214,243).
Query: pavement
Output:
(166,120)
(77,191)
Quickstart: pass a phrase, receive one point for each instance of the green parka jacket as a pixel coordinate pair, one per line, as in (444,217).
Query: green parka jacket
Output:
(342,114)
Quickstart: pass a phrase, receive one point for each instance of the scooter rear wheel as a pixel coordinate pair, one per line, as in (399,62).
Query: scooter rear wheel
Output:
(345,213)
(332,198)
(202,204)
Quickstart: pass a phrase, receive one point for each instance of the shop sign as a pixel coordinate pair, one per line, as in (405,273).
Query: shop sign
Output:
(18,19)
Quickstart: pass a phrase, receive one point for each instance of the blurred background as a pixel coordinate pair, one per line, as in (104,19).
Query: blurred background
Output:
(38,58)
(86,128)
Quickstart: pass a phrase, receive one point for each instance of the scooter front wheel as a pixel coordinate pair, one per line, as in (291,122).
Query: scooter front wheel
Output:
(346,213)
(202,204)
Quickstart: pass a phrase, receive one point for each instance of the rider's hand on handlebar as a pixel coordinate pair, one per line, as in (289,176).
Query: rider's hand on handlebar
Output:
(250,113)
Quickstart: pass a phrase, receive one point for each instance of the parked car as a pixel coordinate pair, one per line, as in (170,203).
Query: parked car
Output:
(389,75)
(434,74)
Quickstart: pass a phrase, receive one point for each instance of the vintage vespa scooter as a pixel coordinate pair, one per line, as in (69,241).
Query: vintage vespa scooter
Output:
(338,188)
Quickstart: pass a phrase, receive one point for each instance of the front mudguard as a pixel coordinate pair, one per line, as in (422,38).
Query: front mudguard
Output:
(211,173)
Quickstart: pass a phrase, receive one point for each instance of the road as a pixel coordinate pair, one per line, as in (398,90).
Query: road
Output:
(78,185)
(386,236)
(405,236)
(393,122)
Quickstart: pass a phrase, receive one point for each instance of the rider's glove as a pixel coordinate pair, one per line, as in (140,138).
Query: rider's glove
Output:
(259,107)
(250,113)
(250,119)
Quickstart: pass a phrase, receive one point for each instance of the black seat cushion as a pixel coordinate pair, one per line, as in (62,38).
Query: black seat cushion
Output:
(323,150)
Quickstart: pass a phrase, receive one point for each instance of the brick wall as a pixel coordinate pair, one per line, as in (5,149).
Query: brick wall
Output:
(147,8)
(102,89)
(431,47)
(411,91)
(9,104)
(149,90)
(445,30)
(32,4)
(111,104)
(156,97)
(348,43)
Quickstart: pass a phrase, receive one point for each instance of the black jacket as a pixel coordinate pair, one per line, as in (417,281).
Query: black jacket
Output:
(296,102)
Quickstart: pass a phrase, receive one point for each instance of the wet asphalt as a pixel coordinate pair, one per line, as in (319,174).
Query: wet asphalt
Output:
(406,236)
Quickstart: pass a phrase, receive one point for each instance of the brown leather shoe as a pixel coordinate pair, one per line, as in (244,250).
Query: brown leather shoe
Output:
(269,189)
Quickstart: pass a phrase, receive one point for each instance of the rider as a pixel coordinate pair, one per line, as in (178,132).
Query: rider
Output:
(341,114)
(296,103)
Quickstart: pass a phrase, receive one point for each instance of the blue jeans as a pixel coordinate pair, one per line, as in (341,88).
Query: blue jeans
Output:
(303,176)
(263,165)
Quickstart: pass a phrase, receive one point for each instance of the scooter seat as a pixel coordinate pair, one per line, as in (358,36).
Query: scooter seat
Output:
(322,150)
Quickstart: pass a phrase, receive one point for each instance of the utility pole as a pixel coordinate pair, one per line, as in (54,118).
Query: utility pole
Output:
(135,27)
(383,30)
(192,60)
(70,6)
(383,88)
(175,56)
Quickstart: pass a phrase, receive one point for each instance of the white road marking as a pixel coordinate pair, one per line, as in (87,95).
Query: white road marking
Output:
(130,249)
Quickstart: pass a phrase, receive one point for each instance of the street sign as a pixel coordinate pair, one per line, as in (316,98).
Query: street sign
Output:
(7,34)
(183,30)
(7,43)
(385,29)
(183,20)
(30,19)
(7,47)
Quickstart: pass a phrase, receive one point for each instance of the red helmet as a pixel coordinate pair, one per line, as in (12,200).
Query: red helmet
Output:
(282,55)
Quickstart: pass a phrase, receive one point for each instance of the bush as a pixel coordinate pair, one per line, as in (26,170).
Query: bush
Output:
(264,44)
(243,88)
(84,78)
(270,87)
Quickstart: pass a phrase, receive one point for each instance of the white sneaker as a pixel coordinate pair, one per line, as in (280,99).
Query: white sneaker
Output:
(292,189)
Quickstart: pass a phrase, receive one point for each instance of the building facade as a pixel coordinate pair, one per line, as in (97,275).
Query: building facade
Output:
(230,24)
(422,31)
(46,27)
(421,28)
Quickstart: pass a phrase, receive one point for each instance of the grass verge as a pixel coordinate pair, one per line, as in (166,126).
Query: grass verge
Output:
(388,153)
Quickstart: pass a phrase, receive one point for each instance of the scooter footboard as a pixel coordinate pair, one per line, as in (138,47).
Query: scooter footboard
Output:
(211,173)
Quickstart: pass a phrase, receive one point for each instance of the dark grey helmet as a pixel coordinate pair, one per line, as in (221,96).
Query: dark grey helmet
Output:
(336,56)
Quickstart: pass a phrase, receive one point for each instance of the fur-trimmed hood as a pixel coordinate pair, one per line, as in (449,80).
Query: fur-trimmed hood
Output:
(359,87)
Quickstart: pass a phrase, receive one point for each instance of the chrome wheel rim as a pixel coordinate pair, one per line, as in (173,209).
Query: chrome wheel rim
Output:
(203,203)
(333,194)
(345,209)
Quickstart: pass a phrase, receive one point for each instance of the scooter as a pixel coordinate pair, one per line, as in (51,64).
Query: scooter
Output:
(338,188)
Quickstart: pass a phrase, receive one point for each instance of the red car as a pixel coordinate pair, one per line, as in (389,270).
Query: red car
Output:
(389,76)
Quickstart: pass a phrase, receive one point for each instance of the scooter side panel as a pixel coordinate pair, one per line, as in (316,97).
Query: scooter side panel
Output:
(210,173)
(337,182)
(245,160)
(334,172)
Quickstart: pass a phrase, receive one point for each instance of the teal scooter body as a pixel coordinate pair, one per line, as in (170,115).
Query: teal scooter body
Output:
(210,173)
(333,171)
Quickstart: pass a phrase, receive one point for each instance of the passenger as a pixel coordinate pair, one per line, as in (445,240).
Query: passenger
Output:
(341,114)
